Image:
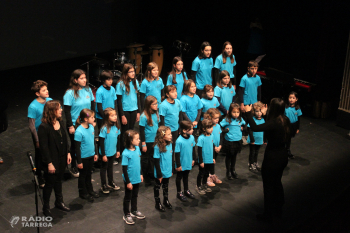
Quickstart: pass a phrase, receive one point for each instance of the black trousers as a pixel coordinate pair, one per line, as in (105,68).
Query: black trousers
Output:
(99,123)
(107,167)
(203,173)
(72,150)
(183,175)
(215,157)
(230,160)
(165,184)
(271,171)
(38,160)
(54,181)
(131,117)
(84,180)
(130,196)
(147,161)
(253,153)
(175,135)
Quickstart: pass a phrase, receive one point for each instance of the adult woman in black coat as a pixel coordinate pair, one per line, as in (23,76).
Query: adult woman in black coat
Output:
(54,147)
(275,160)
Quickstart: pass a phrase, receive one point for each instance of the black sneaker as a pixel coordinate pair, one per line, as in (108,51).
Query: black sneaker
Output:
(189,194)
(94,195)
(86,197)
(115,162)
(128,219)
(74,172)
(234,174)
(181,196)
(138,215)
(113,186)
(105,189)
(41,182)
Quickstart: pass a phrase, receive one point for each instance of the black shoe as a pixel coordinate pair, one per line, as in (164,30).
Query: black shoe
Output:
(105,189)
(228,175)
(94,195)
(234,174)
(46,211)
(41,182)
(167,204)
(62,206)
(189,194)
(181,197)
(74,172)
(86,197)
(290,155)
(113,186)
(159,206)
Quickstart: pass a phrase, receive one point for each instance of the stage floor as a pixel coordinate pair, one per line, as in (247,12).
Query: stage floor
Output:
(313,182)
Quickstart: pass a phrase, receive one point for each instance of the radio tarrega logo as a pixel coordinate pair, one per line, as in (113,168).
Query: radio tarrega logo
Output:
(32,221)
(14,220)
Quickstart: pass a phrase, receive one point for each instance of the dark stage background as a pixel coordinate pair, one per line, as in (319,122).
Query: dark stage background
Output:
(306,39)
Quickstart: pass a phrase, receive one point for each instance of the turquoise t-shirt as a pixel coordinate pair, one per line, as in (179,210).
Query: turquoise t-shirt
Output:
(258,136)
(87,139)
(111,140)
(171,113)
(132,159)
(190,106)
(78,104)
(106,98)
(292,114)
(227,66)
(35,111)
(250,85)
(150,131)
(152,88)
(165,160)
(203,68)
(225,94)
(207,104)
(129,99)
(216,134)
(185,147)
(179,83)
(207,144)
(235,132)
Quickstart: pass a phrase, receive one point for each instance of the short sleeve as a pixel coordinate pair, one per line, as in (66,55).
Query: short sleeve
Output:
(119,87)
(143,120)
(162,109)
(248,125)
(259,83)
(223,123)
(125,158)
(156,154)
(193,142)
(217,102)
(200,142)
(217,62)
(170,80)
(195,65)
(242,84)
(92,98)
(234,63)
(217,91)
(161,83)
(31,112)
(103,132)
(78,136)
(183,101)
(68,98)
(143,86)
(98,97)
(242,122)
(185,76)
(299,112)
(177,146)
(138,150)
(200,104)
(179,105)
(137,85)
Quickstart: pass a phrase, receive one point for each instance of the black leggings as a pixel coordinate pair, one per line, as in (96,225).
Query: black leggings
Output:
(72,150)
(175,135)
(165,183)
(183,175)
(131,118)
(147,161)
(230,160)
(54,181)
(253,153)
(130,195)
(84,180)
(107,167)
(203,173)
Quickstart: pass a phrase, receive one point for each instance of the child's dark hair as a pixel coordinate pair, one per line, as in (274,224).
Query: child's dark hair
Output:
(296,105)
(167,90)
(224,55)
(187,86)
(106,121)
(222,75)
(148,73)
(73,84)
(37,85)
(125,78)
(206,89)
(185,125)
(210,113)
(159,139)
(85,113)
(206,124)
(201,50)
(128,137)
(173,70)
(253,63)
(229,115)
(148,111)
(105,75)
